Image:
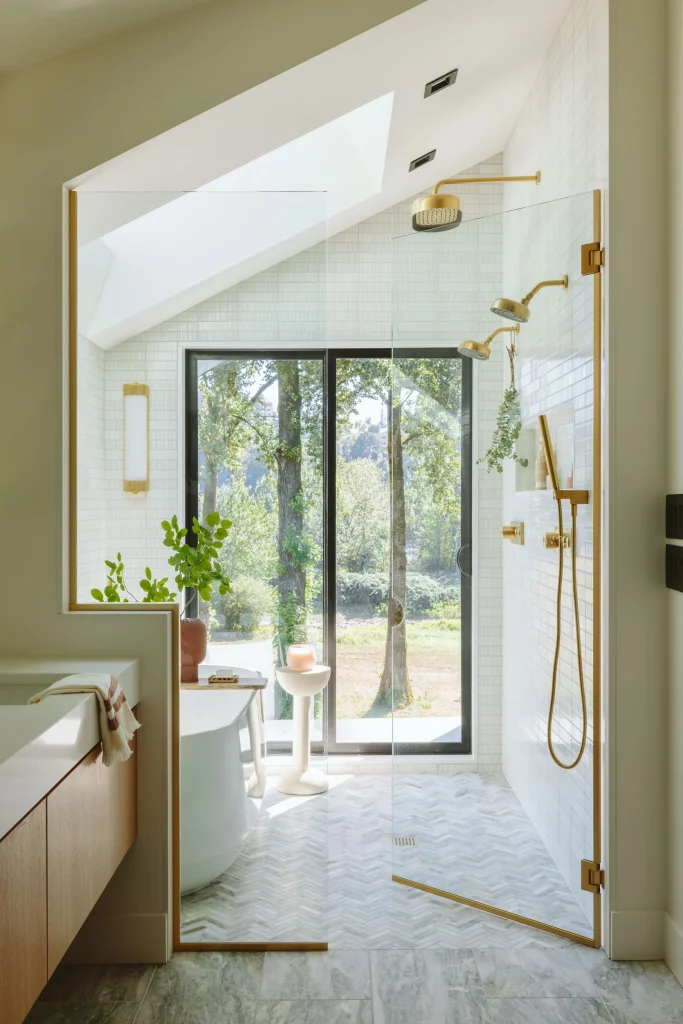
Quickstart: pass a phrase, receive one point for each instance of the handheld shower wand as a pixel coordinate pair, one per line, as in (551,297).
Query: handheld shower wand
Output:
(575,498)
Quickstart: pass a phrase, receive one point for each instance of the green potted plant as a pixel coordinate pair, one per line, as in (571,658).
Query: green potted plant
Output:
(196,568)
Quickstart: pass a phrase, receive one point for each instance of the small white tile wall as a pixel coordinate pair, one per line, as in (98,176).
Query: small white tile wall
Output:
(361,286)
(133,520)
(560,133)
(92,529)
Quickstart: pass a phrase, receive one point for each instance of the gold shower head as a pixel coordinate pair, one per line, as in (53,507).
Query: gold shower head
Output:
(481,349)
(441,212)
(436,212)
(520,311)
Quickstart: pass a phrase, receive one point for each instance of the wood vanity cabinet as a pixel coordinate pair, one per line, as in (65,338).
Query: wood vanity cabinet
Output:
(91,824)
(54,866)
(23,909)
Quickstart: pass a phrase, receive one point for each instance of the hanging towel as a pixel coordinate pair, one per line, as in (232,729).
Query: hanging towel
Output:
(117,721)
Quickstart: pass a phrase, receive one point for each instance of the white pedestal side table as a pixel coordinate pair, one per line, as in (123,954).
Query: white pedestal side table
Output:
(301,779)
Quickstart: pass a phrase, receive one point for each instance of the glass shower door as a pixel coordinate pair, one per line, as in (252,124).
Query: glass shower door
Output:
(502,828)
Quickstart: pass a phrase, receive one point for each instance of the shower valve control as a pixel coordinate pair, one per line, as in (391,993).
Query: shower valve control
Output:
(514,532)
(552,540)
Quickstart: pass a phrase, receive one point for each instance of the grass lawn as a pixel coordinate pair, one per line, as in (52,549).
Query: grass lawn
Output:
(433,665)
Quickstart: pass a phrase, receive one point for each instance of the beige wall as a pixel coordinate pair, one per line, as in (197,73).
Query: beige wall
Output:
(674,921)
(636,479)
(59,119)
(64,116)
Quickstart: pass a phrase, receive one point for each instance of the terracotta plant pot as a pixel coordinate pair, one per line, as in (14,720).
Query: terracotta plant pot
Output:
(192,649)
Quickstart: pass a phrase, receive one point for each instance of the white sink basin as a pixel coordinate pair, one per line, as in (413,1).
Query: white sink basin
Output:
(303,684)
(41,743)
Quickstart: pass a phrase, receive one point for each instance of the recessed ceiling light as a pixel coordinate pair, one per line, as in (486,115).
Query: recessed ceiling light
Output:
(440,83)
(426,158)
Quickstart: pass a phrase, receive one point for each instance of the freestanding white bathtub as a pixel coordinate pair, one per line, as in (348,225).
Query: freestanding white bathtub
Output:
(216,814)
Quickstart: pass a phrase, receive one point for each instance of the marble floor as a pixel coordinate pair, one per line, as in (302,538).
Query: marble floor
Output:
(319,869)
(391,986)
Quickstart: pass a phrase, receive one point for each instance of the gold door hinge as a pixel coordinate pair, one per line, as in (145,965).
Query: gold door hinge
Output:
(592,258)
(592,876)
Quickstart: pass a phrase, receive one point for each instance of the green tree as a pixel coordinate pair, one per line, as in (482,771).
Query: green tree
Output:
(252,550)
(363,516)
(423,401)
(229,417)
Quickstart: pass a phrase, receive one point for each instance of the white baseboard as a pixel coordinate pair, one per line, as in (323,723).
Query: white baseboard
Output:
(122,939)
(637,935)
(674,948)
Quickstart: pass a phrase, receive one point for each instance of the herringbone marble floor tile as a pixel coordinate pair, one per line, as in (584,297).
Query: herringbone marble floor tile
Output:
(319,869)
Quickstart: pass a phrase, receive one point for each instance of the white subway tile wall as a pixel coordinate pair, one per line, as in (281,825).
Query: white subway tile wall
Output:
(365,287)
(560,132)
(362,286)
(92,468)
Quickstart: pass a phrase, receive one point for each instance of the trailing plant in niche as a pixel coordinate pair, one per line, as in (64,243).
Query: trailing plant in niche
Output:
(508,425)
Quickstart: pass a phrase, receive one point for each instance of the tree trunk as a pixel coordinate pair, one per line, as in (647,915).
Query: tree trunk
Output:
(395,677)
(291,581)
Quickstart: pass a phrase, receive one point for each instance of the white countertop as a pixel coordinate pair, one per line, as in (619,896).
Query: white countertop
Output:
(41,743)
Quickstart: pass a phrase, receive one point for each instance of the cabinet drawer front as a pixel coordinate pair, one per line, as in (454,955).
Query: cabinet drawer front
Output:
(23,917)
(91,823)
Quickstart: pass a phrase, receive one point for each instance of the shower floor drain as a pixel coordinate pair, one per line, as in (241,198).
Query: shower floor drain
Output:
(405,841)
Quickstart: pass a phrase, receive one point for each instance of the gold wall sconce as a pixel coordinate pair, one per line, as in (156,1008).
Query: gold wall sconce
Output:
(514,533)
(135,438)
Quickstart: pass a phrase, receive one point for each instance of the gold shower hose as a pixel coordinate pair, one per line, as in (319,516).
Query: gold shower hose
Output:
(558,640)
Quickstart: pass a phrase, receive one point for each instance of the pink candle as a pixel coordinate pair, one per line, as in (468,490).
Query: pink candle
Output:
(300,657)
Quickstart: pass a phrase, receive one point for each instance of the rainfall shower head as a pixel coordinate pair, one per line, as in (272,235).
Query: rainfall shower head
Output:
(437,213)
(481,349)
(442,211)
(519,311)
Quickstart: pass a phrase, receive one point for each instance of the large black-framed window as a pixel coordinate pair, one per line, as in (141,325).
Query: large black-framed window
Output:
(462,743)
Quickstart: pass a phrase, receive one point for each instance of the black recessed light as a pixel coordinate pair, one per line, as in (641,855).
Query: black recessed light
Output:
(440,83)
(426,158)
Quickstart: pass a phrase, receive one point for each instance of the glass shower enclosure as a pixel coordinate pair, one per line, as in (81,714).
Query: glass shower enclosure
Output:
(501,827)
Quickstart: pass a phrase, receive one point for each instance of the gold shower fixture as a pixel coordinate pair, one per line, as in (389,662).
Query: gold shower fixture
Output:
(482,349)
(560,541)
(442,211)
(520,311)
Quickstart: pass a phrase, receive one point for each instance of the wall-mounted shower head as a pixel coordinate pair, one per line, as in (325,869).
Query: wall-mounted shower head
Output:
(437,213)
(482,349)
(519,311)
(441,212)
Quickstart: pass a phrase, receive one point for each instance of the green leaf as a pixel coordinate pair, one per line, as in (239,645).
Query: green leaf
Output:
(148,573)
(145,585)
(112,565)
(97,594)
(213,519)
(165,525)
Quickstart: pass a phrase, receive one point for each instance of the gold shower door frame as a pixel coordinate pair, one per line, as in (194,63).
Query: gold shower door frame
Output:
(172,611)
(596,940)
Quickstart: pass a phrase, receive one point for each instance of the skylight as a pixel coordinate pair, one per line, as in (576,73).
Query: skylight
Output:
(194,245)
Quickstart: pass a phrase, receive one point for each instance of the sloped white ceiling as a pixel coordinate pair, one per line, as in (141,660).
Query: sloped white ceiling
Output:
(302,156)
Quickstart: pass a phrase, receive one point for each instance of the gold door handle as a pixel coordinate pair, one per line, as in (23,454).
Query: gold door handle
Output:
(513,532)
